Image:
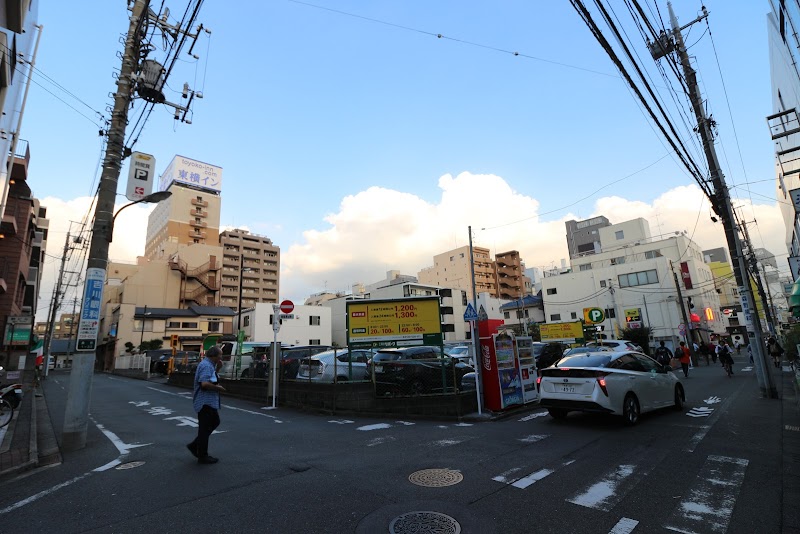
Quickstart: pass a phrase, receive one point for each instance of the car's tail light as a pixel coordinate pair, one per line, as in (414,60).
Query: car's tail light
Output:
(601,381)
(538,383)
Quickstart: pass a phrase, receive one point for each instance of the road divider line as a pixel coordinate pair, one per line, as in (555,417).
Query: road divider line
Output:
(624,526)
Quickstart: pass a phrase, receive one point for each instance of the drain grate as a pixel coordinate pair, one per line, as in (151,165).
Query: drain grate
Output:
(424,522)
(435,478)
(129,465)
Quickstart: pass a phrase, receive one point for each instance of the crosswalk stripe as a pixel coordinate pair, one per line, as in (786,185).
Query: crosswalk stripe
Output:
(528,480)
(710,502)
(617,482)
(624,526)
(533,438)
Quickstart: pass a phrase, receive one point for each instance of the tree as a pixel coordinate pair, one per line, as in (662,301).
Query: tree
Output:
(640,336)
(790,342)
(153,344)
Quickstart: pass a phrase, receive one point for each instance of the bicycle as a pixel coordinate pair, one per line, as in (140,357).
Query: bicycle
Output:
(728,369)
(6,412)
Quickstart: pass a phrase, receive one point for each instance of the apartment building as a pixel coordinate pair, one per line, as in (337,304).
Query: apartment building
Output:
(250,265)
(510,277)
(452,269)
(583,237)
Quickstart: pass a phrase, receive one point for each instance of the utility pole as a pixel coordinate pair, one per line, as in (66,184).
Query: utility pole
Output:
(51,317)
(148,83)
(751,255)
(686,322)
(720,200)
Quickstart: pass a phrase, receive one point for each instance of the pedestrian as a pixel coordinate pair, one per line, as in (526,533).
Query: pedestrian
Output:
(738,346)
(206,404)
(775,350)
(663,354)
(703,351)
(712,351)
(726,356)
(682,353)
(750,354)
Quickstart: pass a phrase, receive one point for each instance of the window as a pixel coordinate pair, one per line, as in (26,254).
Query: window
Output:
(602,283)
(313,320)
(188,325)
(506,315)
(314,342)
(618,261)
(650,254)
(619,234)
(610,313)
(199,198)
(196,240)
(555,317)
(246,320)
(173,324)
(137,325)
(585,267)
(214,326)
(552,291)
(638,279)
(573,315)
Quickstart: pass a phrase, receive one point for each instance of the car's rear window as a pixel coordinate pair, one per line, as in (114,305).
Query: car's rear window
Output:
(537,350)
(585,360)
(386,356)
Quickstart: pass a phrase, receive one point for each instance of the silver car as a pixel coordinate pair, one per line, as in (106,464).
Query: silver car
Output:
(335,365)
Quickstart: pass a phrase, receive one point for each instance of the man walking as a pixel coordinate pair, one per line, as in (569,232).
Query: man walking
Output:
(682,353)
(206,404)
(663,354)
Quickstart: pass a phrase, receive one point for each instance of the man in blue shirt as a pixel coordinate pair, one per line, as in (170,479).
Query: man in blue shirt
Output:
(206,404)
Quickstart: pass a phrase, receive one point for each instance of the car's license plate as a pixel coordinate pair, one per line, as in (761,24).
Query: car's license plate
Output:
(378,368)
(567,389)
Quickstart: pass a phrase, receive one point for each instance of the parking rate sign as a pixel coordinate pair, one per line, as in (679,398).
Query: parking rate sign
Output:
(594,315)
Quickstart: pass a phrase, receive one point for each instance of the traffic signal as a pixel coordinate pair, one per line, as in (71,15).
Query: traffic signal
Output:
(691,305)
(173,341)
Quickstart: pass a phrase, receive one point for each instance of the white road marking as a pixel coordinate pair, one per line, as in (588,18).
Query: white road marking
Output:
(139,404)
(747,369)
(378,441)
(224,406)
(709,505)
(463,424)
(528,480)
(447,442)
(122,447)
(792,428)
(533,416)
(603,495)
(712,400)
(109,465)
(700,411)
(533,438)
(41,494)
(159,410)
(697,438)
(404,423)
(342,422)
(378,426)
(624,526)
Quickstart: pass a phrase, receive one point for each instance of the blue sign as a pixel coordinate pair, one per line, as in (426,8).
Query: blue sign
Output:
(470,314)
(90,313)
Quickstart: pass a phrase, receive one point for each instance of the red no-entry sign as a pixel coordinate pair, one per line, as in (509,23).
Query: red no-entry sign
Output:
(287,306)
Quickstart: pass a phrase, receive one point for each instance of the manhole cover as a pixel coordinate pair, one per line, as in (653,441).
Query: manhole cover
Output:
(129,465)
(435,478)
(424,522)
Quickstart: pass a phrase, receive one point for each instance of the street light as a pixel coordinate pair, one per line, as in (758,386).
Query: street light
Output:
(152,198)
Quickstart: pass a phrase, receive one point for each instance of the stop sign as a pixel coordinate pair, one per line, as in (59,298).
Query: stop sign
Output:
(287,306)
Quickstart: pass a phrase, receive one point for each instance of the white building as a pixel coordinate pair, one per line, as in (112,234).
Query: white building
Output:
(632,275)
(311,325)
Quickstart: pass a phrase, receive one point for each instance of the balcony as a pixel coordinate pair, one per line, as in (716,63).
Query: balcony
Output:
(201,203)
(198,213)
(201,224)
(197,234)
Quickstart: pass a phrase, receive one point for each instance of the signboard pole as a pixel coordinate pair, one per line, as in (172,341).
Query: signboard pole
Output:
(276,326)
(474,325)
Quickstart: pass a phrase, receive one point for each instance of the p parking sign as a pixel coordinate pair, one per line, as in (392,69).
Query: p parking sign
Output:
(593,315)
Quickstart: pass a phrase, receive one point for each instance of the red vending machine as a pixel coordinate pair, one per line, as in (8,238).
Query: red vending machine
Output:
(500,374)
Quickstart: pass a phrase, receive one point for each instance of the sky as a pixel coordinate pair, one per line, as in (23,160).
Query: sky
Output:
(363,137)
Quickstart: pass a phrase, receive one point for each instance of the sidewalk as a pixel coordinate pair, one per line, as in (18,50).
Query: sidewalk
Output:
(29,440)
(789,389)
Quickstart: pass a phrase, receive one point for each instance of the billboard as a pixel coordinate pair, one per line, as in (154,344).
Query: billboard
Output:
(394,323)
(182,170)
(562,332)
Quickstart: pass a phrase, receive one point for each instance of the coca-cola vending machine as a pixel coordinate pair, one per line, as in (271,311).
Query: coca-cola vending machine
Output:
(500,374)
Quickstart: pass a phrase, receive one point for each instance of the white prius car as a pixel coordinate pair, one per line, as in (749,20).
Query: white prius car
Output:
(620,383)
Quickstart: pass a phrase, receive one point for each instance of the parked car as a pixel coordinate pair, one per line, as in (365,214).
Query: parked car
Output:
(546,354)
(616,344)
(415,370)
(621,383)
(469,381)
(335,365)
(460,353)
(290,360)
(582,350)
(159,359)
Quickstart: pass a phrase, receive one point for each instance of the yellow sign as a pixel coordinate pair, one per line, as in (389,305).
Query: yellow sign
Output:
(396,320)
(561,331)
(632,314)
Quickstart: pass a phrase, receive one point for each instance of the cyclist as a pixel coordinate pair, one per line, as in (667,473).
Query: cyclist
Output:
(725,357)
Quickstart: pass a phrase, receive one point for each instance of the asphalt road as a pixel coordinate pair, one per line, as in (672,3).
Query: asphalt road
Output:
(714,467)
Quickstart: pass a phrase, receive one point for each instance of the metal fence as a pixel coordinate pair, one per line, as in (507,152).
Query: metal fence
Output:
(138,362)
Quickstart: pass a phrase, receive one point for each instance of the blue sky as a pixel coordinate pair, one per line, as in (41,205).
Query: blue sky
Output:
(361,146)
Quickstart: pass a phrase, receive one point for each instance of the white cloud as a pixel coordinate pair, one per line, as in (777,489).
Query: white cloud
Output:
(382,229)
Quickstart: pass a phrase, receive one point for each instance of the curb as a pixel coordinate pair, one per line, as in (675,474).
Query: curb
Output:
(33,448)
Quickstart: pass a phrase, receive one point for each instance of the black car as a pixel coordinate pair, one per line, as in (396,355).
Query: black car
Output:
(159,360)
(546,354)
(415,370)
